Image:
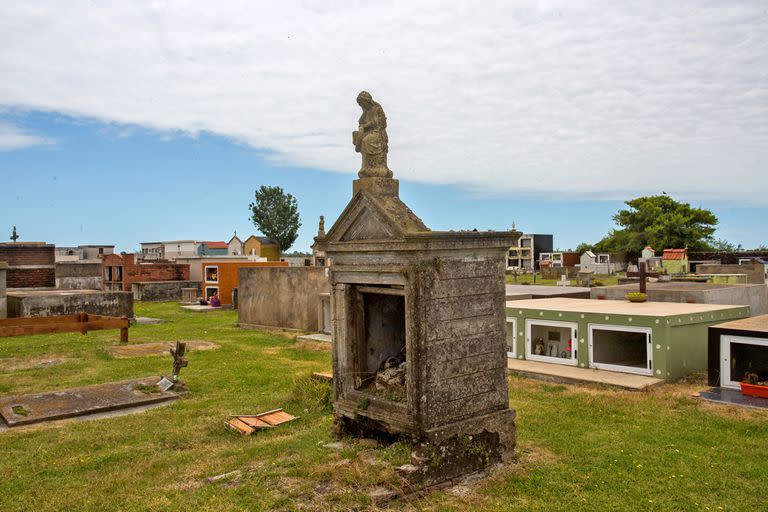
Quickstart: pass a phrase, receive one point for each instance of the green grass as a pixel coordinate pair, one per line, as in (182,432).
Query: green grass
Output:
(581,448)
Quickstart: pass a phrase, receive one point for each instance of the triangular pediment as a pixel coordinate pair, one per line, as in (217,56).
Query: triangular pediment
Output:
(364,219)
(368,226)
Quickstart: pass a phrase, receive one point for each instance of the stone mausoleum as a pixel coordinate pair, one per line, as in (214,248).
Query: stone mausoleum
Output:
(418,324)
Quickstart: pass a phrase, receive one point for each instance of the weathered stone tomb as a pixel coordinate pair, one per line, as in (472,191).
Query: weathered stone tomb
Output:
(418,330)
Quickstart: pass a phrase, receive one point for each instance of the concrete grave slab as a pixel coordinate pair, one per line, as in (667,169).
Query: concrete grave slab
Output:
(159,348)
(197,308)
(572,375)
(145,320)
(69,403)
(733,397)
(318,337)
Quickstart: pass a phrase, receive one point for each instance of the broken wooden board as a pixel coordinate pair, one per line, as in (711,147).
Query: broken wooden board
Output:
(69,403)
(323,376)
(248,424)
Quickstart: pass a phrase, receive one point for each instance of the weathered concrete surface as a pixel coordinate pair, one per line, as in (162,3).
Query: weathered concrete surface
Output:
(322,338)
(538,291)
(755,272)
(146,320)
(159,348)
(51,302)
(78,275)
(286,297)
(154,291)
(753,295)
(3,299)
(69,403)
(572,375)
(197,308)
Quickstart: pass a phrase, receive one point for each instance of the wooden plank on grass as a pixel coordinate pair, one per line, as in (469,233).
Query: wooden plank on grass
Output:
(240,426)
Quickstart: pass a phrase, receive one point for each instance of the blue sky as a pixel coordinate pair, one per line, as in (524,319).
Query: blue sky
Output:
(548,113)
(99,183)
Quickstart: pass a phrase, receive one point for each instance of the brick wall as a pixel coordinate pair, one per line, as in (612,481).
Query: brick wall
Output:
(143,272)
(30,264)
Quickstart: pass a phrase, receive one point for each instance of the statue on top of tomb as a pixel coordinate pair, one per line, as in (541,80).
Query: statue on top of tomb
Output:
(370,139)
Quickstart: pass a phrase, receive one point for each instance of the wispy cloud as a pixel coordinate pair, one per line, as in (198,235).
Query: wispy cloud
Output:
(12,137)
(572,99)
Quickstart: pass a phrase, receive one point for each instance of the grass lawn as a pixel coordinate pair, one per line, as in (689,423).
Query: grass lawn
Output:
(528,279)
(580,448)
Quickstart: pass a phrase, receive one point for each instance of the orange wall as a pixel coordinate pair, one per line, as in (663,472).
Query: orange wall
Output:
(227,275)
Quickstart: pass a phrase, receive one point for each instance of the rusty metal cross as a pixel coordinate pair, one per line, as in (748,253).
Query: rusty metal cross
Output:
(179,361)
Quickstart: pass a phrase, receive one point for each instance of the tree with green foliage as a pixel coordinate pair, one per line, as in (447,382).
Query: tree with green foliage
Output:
(276,214)
(661,222)
(721,245)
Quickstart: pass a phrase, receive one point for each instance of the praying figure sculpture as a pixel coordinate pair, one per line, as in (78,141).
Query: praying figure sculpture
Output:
(370,138)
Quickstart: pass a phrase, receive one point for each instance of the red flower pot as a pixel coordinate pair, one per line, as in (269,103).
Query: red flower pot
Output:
(754,390)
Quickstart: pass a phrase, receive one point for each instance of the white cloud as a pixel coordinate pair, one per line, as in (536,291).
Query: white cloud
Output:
(577,99)
(12,137)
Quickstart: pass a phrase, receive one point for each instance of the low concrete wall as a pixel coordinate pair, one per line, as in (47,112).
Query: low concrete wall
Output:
(3,300)
(753,295)
(155,291)
(78,275)
(287,297)
(755,272)
(61,302)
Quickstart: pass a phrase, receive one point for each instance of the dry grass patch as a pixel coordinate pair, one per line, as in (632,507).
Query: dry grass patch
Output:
(16,364)
(313,345)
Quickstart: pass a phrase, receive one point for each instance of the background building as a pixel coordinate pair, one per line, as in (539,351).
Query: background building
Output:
(262,247)
(525,255)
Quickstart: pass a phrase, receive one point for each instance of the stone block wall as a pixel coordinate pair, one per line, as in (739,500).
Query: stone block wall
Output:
(78,275)
(30,264)
(286,297)
(3,299)
(52,303)
(155,291)
(755,272)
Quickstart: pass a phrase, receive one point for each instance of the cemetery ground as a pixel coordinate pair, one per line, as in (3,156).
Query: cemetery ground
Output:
(580,447)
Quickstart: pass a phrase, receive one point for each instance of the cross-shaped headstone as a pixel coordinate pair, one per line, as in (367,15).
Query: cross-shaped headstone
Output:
(14,235)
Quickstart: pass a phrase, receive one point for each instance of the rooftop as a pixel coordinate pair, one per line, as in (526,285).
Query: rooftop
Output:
(674,254)
(752,324)
(617,307)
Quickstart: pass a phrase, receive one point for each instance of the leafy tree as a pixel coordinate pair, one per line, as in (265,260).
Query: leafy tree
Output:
(584,247)
(721,245)
(276,214)
(661,222)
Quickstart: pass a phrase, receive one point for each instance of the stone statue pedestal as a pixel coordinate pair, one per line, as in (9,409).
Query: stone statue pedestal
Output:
(381,187)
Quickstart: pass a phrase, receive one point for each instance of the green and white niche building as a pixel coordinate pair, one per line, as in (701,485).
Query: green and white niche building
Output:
(665,340)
